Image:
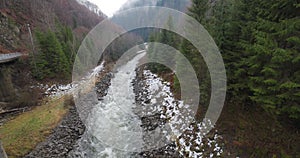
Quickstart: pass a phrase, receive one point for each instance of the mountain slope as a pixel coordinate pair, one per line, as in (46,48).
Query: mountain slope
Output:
(41,15)
(91,6)
(180,5)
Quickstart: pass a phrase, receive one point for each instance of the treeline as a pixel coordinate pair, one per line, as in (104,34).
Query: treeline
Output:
(120,45)
(55,54)
(58,27)
(159,54)
(260,43)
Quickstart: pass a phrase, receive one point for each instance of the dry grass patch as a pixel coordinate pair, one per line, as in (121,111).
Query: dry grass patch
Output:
(20,135)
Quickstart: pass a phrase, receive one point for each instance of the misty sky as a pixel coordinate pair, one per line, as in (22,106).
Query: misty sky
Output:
(109,7)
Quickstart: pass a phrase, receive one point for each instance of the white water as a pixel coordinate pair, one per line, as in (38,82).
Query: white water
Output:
(112,126)
(114,129)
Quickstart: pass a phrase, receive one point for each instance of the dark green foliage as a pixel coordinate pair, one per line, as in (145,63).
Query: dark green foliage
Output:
(67,41)
(51,60)
(200,68)
(198,10)
(259,41)
(274,63)
(56,53)
(165,37)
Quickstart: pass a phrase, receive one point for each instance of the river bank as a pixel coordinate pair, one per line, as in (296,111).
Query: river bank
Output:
(160,110)
(154,105)
(54,124)
(152,121)
(65,136)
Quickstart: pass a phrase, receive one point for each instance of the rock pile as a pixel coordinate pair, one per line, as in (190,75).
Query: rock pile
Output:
(63,138)
(150,122)
(176,131)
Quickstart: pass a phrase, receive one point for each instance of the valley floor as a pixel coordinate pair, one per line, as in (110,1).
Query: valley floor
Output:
(241,131)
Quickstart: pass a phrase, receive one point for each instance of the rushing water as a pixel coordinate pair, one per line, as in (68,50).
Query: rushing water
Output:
(113,130)
(114,126)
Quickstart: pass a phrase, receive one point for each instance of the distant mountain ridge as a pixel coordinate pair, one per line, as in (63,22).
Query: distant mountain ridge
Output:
(180,5)
(138,3)
(92,7)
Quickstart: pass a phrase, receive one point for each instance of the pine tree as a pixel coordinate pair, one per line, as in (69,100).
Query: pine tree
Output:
(275,60)
(51,61)
(168,38)
(231,25)
(198,11)
(237,56)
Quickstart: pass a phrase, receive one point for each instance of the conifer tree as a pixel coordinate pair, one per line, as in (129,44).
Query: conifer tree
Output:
(168,38)
(51,61)
(198,11)
(275,60)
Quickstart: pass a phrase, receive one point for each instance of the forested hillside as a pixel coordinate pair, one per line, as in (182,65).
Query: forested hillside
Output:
(180,5)
(45,15)
(137,109)
(47,34)
(260,48)
(259,42)
(66,22)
